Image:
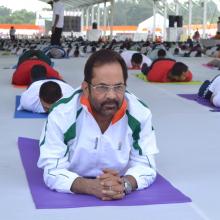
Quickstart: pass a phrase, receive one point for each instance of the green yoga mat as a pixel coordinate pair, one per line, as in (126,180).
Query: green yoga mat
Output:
(143,77)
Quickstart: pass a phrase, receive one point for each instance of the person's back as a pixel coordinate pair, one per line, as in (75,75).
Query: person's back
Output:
(54,51)
(30,99)
(161,54)
(22,75)
(154,53)
(134,59)
(159,70)
(34,54)
(196,35)
(168,70)
(94,34)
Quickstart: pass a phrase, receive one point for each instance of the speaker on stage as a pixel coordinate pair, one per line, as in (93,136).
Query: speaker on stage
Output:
(179,20)
(172,19)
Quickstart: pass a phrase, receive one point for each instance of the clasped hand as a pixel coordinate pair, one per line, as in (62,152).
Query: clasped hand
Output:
(110,185)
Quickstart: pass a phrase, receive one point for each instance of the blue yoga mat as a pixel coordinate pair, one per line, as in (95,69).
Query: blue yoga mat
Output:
(160,192)
(26,114)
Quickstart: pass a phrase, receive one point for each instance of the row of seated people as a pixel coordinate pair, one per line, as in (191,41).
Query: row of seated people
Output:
(161,70)
(34,70)
(168,70)
(171,70)
(213,51)
(132,59)
(80,47)
(34,66)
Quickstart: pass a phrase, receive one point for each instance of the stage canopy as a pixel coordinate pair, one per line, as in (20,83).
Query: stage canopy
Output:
(79,3)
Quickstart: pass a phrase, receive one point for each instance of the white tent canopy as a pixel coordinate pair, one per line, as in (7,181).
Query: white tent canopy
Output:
(79,3)
(148,24)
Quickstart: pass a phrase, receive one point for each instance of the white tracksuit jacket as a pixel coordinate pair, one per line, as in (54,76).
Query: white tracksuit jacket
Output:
(30,100)
(73,145)
(215,89)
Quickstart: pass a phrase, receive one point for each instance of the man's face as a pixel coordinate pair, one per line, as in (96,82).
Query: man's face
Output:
(183,76)
(135,65)
(46,106)
(106,91)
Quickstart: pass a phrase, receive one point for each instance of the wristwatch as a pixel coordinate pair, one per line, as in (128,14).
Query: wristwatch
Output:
(127,186)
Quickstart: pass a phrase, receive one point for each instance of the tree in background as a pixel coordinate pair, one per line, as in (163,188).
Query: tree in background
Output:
(127,12)
(17,17)
(4,13)
(132,12)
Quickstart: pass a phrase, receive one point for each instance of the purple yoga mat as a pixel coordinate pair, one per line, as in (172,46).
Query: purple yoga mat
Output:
(161,192)
(202,101)
(210,67)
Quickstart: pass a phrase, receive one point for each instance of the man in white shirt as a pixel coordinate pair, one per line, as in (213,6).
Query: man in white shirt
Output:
(100,141)
(215,89)
(12,33)
(94,34)
(57,22)
(41,94)
(211,90)
(135,60)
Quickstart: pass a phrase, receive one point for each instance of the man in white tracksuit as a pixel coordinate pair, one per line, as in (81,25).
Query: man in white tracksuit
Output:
(134,59)
(214,88)
(100,141)
(31,101)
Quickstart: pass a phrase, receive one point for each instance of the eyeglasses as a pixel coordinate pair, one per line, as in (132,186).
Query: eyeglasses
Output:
(120,88)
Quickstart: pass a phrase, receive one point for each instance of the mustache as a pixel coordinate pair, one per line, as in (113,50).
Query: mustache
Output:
(115,102)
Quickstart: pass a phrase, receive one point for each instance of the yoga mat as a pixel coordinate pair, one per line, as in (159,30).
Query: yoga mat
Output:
(9,67)
(202,101)
(161,192)
(210,67)
(143,77)
(20,86)
(26,114)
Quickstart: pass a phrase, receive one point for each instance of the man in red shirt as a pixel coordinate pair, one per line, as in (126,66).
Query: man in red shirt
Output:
(168,70)
(22,75)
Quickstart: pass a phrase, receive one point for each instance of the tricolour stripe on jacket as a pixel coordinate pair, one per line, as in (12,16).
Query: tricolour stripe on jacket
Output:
(135,126)
(71,132)
(64,100)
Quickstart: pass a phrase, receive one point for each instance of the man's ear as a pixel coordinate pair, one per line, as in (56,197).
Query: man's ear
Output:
(85,88)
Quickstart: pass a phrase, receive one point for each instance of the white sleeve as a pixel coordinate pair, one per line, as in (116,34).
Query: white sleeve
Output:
(146,60)
(57,9)
(216,100)
(142,164)
(54,157)
(127,58)
(30,102)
